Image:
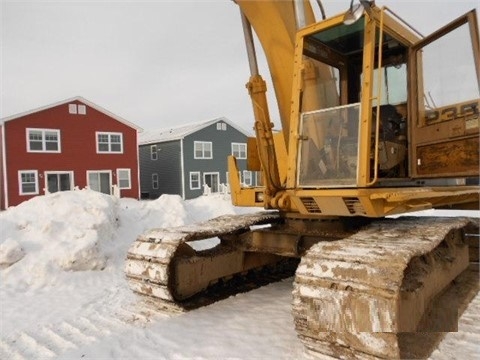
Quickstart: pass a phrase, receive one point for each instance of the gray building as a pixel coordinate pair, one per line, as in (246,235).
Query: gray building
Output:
(183,159)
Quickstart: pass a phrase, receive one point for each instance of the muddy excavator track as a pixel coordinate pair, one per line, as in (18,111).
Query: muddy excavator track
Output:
(353,298)
(162,266)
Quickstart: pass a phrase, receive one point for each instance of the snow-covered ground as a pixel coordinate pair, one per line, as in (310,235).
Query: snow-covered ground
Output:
(63,293)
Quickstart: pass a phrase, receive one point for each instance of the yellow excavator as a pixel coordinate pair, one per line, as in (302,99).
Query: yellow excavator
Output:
(377,121)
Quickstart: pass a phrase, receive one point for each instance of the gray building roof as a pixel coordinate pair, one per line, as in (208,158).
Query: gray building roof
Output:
(180,132)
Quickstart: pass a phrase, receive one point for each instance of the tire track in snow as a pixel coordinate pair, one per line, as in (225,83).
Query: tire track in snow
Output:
(51,340)
(8,352)
(56,341)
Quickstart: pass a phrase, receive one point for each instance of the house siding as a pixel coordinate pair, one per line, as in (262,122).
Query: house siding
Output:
(221,148)
(78,148)
(176,157)
(167,166)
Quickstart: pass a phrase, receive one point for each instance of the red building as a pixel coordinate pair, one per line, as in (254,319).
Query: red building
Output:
(73,143)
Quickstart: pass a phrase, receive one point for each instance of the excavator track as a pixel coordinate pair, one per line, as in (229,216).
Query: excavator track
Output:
(160,264)
(353,298)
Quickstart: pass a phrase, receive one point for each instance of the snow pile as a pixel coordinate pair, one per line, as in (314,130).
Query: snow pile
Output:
(10,253)
(58,232)
(84,230)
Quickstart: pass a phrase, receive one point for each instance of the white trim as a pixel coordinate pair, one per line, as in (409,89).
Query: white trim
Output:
(212,173)
(153,152)
(203,150)
(239,150)
(129,178)
(139,190)
(249,176)
(46,173)
(109,133)
(82,109)
(221,126)
(44,141)
(99,172)
(190,174)
(182,169)
(4,165)
(20,191)
(79,99)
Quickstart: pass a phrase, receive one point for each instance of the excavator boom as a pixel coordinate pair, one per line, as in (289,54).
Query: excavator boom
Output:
(276,26)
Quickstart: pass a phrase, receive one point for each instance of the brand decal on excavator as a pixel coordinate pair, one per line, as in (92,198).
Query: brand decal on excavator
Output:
(452,112)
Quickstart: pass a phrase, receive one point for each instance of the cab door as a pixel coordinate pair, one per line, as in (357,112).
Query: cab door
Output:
(445,93)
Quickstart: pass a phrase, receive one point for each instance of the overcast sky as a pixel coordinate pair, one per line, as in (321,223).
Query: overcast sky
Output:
(155,63)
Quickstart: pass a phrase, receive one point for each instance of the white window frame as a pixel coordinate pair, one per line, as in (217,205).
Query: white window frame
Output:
(217,185)
(203,144)
(20,182)
(79,109)
(129,172)
(221,126)
(247,174)
(52,172)
(153,153)
(199,180)
(100,172)
(44,140)
(155,180)
(238,151)
(109,134)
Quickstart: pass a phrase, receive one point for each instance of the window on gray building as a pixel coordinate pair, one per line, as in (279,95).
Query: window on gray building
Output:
(155,181)
(202,149)
(194,180)
(221,126)
(247,177)
(239,150)
(153,152)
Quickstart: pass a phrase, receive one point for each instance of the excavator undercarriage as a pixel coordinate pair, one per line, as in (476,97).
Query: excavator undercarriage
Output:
(359,284)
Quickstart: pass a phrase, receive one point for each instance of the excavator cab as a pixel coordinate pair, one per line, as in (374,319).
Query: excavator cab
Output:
(376,109)
(334,72)
(378,103)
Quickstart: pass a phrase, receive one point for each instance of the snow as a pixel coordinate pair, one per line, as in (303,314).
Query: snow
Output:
(63,293)
(10,253)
